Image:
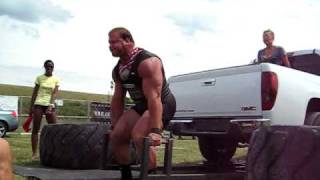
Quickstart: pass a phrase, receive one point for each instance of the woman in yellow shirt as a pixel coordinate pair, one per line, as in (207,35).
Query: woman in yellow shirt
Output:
(42,102)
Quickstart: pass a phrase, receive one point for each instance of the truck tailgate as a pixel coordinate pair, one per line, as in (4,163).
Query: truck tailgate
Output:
(228,92)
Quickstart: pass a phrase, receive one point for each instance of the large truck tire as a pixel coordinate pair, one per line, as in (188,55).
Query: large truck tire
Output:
(313,118)
(73,146)
(284,153)
(217,150)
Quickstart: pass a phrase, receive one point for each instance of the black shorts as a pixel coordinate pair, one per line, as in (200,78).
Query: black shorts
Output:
(169,108)
(43,108)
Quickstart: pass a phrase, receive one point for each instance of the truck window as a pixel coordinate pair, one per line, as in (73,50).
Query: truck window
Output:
(308,63)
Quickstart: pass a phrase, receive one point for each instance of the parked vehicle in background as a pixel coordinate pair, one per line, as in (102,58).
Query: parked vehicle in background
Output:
(8,121)
(224,106)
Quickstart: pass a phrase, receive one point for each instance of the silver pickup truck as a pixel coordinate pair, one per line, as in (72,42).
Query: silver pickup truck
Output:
(222,107)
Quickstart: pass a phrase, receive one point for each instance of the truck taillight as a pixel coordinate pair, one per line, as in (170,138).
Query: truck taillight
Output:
(269,89)
(14,114)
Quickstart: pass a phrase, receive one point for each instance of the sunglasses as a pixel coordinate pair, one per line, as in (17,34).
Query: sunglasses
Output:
(48,66)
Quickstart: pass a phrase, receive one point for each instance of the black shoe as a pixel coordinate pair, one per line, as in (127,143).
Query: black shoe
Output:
(152,171)
(125,172)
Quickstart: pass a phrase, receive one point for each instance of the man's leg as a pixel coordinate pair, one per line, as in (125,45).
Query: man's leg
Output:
(5,161)
(120,139)
(37,116)
(141,130)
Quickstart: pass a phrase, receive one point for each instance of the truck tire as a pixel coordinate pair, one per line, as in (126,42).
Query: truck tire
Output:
(72,146)
(217,150)
(284,152)
(313,119)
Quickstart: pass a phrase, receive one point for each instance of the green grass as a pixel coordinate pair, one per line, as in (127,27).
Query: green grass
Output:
(21,151)
(184,150)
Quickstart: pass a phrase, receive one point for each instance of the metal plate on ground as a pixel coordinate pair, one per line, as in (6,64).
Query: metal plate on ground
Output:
(201,171)
(46,173)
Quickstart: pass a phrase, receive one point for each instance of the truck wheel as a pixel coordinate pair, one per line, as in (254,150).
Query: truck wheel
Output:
(3,129)
(313,119)
(217,150)
(284,152)
(72,146)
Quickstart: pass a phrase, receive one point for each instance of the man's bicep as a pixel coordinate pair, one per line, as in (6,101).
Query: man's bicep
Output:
(148,87)
(152,84)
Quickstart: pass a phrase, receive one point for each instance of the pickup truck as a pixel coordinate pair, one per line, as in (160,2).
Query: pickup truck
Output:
(222,107)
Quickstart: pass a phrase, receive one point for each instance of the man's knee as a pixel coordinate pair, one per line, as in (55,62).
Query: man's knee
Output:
(117,137)
(137,137)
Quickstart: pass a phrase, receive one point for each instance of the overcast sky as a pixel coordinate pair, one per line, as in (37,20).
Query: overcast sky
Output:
(189,35)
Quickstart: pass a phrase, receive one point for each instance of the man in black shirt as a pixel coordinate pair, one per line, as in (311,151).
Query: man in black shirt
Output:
(141,74)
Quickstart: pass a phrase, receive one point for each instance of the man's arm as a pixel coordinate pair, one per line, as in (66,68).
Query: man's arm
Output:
(5,161)
(117,102)
(152,78)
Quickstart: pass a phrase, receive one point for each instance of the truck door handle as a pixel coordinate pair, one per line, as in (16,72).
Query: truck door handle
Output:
(210,82)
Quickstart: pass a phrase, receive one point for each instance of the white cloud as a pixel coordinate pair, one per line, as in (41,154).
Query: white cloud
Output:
(32,11)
